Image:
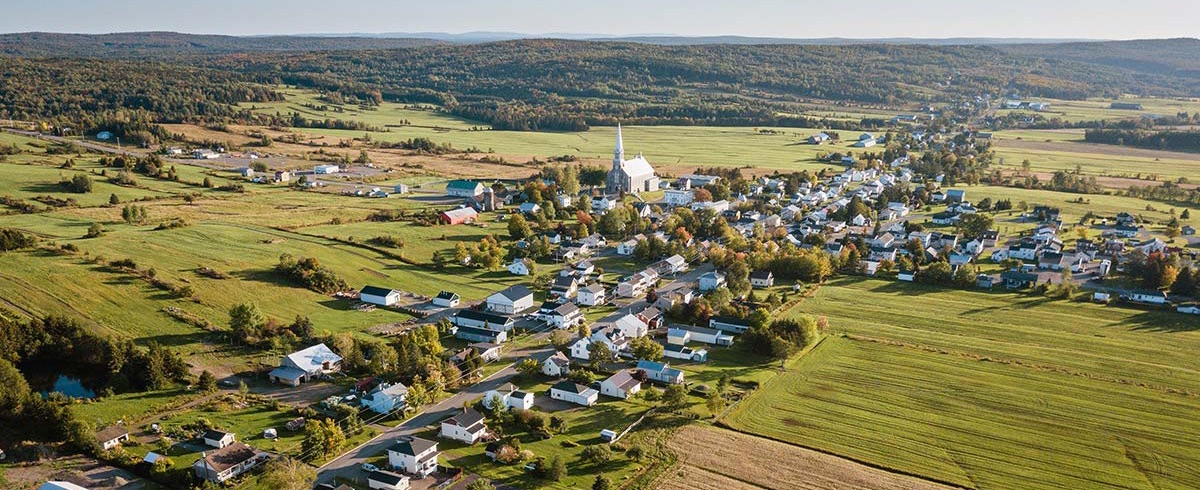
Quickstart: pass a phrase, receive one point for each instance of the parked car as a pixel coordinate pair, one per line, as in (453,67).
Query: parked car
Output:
(368,467)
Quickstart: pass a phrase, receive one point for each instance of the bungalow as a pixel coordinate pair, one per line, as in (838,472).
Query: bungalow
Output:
(556,365)
(112,436)
(217,439)
(685,353)
(682,334)
(621,385)
(228,462)
(520,267)
(60,485)
(446,299)
(945,218)
(472,334)
(591,295)
(304,365)
(1189,309)
(464,188)
(510,301)
(508,396)
(661,372)
(1018,280)
(379,296)
(729,324)
(1126,231)
(467,426)
(413,455)
(762,279)
(458,216)
(570,391)
(564,316)
(487,351)
(711,280)
(482,319)
(385,398)
(906,276)
(386,480)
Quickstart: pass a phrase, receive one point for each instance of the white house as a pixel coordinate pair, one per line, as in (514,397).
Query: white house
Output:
(446,299)
(591,295)
(379,296)
(520,267)
(413,455)
(556,365)
(1148,297)
(515,299)
(678,197)
(463,188)
(385,397)
(685,353)
(228,462)
(729,324)
(466,426)
(636,285)
(510,397)
(570,391)
(111,437)
(661,372)
(620,385)
(217,439)
(762,279)
(386,480)
(564,316)
(627,247)
(711,280)
(304,365)
(682,334)
(530,208)
(631,326)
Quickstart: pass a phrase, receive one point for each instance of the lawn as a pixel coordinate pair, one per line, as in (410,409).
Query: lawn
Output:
(991,390)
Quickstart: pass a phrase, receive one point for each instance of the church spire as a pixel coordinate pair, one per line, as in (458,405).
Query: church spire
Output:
(619,151)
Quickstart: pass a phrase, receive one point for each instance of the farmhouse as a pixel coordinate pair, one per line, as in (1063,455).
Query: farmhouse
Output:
(111,437)
(556,365)
(512,300)
(620,385)
(217,439)
(520,267)
(570,391)
(630,176)
(304,365)
(458,216)
(762,279)
(464,188)
(228,462)
(466,426)
(413,455)
(385,398)
(508,396)
(661,372)
(379,296)
(386,480)
(446,299)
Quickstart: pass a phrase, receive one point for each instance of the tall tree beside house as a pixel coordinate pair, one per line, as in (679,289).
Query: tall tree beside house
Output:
(1185,282)
(529,368)
(600,354)
(518,228)
(207,382)
(288,474)
(246,321)
(644,348)
(737,278)
(675,397)
(322,438)
(974,224)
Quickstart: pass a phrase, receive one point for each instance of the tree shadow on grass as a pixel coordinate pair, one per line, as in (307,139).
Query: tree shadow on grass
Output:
(268,276)
(1164,322)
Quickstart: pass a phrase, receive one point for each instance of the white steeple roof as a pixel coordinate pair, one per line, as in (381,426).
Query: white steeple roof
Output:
(620,149)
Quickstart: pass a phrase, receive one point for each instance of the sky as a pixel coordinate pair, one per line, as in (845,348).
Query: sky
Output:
(1078,19)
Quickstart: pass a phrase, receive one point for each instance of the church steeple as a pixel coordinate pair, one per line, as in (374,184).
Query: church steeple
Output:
(619,151)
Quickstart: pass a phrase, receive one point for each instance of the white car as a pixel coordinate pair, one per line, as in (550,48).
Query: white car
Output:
(368,467)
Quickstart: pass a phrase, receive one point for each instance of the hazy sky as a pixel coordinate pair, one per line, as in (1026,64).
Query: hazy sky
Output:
(1099,19)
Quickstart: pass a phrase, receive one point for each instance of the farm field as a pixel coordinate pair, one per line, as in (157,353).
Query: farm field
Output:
(1095,160)
(1099,109)
(714,458)
(990,390)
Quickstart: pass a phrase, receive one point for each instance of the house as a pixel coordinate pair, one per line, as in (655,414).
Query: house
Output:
(620,385)
(379,296)
(649,315)
(466,426)
(473,334)
(631,326)
(464,188)
(570,391)
(762,279)
(556,365)
(563,288)
(591,295)
(112,436)
(458,216)
(386,480)
(413,455)
(446,299)
(228,462)
(508,396)
(610,336)
(487,351)
(1147,297)
(482,319)
(729,324)
(682,334)
(205,154)
(520,267)
(685,353)
(678,197)
(956,195)
(217,439)
(670,265)
(513,300)
(326,169)
(304,365)
(711,280)
(529,208)
(635,286)
(1126,231)
(385,398)
(564,316)
(661,372)
(1018,280)
(679,296)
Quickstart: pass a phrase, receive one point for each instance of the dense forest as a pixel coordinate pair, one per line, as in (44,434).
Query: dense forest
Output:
(538,84)
(1166,139)
(164,44)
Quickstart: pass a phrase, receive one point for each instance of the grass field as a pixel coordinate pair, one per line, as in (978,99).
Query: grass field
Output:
(991,390)
(1099,109)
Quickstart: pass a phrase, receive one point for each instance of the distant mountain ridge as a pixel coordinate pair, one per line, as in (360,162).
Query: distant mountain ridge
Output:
(132,44)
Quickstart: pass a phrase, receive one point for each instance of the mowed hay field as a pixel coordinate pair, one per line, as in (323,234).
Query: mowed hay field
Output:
(713,458)
(991,390)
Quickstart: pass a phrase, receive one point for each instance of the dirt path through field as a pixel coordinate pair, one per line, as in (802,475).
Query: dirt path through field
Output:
(711,458)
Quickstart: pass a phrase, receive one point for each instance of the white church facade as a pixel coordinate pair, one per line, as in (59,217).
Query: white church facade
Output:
(630,176)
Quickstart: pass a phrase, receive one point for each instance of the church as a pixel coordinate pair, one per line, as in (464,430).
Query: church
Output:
(630,176)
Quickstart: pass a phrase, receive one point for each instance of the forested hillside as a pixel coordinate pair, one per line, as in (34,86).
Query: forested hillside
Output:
(1173,57)
(162,44)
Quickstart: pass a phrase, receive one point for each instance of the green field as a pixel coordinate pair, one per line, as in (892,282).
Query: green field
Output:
(991,390)
(1099,109)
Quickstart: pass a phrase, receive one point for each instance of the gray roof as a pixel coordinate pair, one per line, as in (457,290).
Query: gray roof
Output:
(411,445)
(313,357)
(516,292)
